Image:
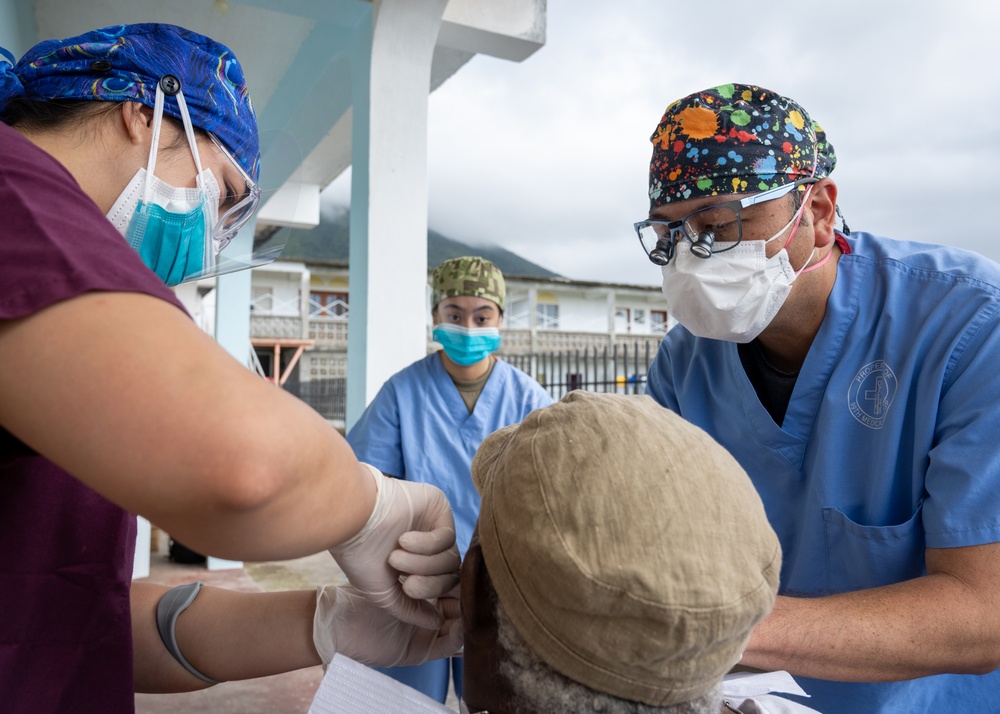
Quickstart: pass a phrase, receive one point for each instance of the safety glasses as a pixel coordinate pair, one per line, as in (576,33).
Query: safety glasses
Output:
(712,229)
(239,202)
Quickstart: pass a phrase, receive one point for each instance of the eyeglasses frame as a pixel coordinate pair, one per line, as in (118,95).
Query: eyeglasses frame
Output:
(736,206)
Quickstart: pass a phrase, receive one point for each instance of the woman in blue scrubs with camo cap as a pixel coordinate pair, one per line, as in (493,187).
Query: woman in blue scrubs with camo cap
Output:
(428,420)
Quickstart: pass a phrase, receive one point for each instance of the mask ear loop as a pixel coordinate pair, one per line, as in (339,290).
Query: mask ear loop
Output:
(809,268)
(189,130)
(154,146)
(802,209)
(798,216)
(157,124)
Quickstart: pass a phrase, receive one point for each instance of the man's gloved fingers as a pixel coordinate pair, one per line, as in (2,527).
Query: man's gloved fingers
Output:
(434,564)
(429,587)
(428,542)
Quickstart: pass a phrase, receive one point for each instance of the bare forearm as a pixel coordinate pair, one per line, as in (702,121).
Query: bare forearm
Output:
(225,635)
(926,626)
(168,425)
(319,504)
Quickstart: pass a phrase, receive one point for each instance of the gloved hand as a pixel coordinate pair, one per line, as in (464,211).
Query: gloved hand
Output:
(410,534)
(346,622)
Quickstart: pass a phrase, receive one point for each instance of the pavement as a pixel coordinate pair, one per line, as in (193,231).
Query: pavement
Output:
(289,693)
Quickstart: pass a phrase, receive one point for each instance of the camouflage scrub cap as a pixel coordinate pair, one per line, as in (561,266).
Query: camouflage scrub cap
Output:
(125,63)
(468,275)
(734,139)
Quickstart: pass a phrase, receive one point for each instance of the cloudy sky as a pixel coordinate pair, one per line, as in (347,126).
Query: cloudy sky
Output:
(548,157)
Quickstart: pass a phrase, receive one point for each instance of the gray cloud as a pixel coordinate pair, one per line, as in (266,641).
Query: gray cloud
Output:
(548,157)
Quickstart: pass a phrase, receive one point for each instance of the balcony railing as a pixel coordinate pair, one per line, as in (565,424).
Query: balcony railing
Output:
(275,326)
(524,342)
(329,331)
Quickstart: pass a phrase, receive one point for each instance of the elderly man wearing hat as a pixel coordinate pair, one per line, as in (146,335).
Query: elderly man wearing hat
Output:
(854,379)
(128,161)
(622,559)
(427,421)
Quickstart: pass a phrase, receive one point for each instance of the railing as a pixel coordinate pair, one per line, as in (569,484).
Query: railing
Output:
(326,396)
(267,304)
(621,369)
(275,326)
(526,342)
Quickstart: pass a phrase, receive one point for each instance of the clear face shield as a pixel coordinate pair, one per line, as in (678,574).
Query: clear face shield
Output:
(233,246)
(236,248)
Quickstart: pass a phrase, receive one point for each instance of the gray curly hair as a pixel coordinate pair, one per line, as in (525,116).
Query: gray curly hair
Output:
(535,687)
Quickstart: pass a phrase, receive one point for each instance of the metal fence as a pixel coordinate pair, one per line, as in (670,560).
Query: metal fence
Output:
(620,369)
(327,396)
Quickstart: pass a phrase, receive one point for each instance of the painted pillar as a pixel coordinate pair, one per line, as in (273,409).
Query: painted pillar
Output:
(611,300)
(232,332)
(388,245)
(533,317)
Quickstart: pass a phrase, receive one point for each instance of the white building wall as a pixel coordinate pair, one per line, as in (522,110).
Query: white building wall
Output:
(585,309)
(276,294)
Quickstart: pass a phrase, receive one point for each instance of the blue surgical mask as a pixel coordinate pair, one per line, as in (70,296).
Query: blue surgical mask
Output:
(172,243)
(171,228)
(467,345)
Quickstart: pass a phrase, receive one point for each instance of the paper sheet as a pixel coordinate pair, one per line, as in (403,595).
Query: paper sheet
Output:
(352,688)
(750,684)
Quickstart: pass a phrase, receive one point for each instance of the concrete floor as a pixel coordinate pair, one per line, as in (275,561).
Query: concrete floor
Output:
(289,693)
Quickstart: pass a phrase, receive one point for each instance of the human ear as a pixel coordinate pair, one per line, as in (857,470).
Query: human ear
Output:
(823,211)
(137,120)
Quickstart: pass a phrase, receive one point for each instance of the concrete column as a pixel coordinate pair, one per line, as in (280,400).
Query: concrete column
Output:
(388,258)
(612,299)
(232,332)
(533,317)
(304,289)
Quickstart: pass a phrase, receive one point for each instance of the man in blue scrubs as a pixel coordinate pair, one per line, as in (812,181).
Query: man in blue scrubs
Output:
(855,379)
(427,421)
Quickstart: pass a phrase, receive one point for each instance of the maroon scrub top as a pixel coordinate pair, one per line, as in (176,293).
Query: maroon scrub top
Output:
(65,551)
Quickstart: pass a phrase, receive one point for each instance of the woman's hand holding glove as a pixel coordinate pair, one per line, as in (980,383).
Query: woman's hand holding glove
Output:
(347,623)
(410,533)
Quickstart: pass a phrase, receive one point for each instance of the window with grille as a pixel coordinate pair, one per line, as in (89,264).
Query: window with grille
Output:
(262,299)
(547,316)
(328,305)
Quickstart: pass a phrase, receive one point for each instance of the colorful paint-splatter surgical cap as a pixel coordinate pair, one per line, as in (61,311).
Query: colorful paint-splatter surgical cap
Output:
(468,275)
(734,139)
(125,63)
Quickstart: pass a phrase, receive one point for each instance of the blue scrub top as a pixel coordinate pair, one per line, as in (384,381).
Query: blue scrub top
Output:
(890,445)
(419,429)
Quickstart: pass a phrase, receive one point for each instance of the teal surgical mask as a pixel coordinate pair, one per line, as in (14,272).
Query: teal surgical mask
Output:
(171,228)
(467,345)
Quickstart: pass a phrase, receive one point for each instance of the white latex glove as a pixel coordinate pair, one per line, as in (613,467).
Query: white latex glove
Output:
(410,536)
(347,623)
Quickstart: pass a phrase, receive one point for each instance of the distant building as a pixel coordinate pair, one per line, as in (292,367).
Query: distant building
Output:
(567,334)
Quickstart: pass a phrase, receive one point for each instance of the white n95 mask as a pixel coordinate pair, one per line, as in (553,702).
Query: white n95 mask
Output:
(732,295)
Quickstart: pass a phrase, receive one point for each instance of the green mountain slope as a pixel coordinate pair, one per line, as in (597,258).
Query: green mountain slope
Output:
(328,243)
